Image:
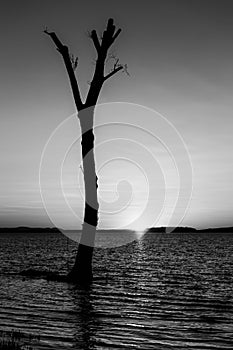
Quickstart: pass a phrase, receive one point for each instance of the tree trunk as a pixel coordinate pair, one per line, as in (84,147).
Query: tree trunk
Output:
(82,269)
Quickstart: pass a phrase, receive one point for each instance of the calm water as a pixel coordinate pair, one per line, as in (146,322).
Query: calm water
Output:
(170,291)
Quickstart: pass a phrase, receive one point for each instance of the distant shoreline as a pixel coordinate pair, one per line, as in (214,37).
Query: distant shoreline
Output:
(181,229)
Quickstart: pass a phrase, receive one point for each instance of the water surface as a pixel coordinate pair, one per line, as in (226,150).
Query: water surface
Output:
(163,291)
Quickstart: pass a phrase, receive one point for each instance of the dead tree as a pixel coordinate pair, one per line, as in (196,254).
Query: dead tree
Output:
(82,269)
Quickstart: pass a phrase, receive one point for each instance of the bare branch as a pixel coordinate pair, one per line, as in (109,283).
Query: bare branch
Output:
(110,28)
(74,61)
(114,71)
(70,64)
(116,34)
(57,42)
(108,37)
(95,39)
(117,66)
(126,69)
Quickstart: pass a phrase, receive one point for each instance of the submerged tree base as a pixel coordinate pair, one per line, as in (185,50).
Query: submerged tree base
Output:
(82,269)
(43,274)
(76,278)
(81,273)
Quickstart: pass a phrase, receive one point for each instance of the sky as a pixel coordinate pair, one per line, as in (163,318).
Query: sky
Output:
(179,55)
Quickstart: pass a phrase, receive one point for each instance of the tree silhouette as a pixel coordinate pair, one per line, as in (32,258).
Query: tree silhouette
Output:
(82,269)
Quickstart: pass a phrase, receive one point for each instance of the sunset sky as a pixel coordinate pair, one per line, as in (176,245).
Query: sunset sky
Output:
(180,59)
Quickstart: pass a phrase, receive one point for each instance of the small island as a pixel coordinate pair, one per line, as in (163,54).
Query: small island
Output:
(187,229)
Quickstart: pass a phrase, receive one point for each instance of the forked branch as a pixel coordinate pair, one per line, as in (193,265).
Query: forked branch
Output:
(109,36)
(102,46)
(116,67)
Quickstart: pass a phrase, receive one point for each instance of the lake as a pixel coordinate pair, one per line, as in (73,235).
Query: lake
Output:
(161,291)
